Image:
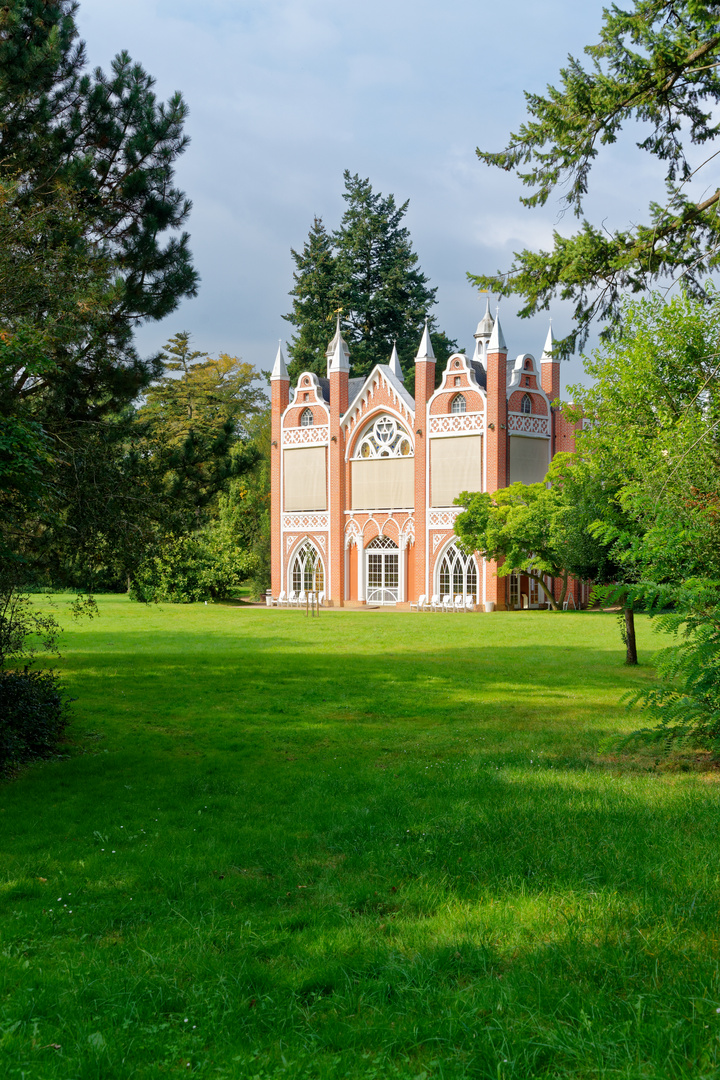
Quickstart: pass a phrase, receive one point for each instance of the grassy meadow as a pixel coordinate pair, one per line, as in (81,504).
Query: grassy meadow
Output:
(369,845)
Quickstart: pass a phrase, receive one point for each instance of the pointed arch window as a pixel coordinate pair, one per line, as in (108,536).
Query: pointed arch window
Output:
(306,418)
(458,405)
(457,573)
(307,570)
(526,404)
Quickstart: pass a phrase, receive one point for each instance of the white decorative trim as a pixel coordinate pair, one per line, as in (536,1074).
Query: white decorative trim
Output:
(454,423)
(320,539)
(305,436)
(305,522)
(443,519)
(527,424)
(438,539)
(289,541)
(364,402)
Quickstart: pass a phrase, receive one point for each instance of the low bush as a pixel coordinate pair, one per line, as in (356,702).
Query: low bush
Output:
(33,716)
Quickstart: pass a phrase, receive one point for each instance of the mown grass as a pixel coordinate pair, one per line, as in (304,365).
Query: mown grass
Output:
(371,845)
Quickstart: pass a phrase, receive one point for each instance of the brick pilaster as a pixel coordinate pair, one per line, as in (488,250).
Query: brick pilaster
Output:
(424,389)
(336,478)
(497,444)
(279,398)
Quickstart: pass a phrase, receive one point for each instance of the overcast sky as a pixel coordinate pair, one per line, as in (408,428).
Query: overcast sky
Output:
(286,94)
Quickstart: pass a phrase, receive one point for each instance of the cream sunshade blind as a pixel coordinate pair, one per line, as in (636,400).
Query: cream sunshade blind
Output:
(383,483)
(455,466)
(528,459)
(305,478)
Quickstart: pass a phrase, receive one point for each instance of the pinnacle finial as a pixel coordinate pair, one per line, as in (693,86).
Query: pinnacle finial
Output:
(395,362)
(279,370)
(497,338)
(425,349)
(547,353)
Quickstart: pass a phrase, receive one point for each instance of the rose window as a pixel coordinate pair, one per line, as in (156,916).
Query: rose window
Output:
(384,438)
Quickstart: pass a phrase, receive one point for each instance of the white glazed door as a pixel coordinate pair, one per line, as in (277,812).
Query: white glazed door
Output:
(383,577)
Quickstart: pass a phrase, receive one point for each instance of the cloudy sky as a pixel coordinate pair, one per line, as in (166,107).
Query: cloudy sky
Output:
(286,94)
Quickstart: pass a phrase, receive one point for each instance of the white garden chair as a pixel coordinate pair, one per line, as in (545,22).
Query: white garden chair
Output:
(282,599)
(447,603)
(435,604)
(469,603)
(292,598)
(301,600)
(420,605)
(459,602)
(321,599)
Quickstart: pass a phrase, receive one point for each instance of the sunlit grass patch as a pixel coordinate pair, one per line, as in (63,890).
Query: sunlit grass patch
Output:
(368,845)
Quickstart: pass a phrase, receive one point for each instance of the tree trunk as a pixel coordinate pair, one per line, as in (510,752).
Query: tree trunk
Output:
(630,644)
(563,594)
(548,596)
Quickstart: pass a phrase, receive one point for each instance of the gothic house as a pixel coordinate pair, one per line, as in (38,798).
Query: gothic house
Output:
(364,476)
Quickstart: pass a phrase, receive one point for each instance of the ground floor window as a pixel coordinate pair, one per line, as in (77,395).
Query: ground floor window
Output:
(457,573)
(307,570)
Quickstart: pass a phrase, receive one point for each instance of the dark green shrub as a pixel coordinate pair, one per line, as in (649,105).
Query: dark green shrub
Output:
(33,716)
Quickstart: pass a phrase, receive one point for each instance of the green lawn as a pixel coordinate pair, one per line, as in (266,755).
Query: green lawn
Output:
(370,845)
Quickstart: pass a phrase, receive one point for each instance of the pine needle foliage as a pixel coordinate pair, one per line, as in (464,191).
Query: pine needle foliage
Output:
(656,63)
(367,271)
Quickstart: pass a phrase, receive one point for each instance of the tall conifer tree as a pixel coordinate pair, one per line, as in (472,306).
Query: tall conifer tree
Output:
(368,269)
(315,301)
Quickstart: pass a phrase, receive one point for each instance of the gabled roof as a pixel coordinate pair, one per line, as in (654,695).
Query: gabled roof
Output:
(385,373)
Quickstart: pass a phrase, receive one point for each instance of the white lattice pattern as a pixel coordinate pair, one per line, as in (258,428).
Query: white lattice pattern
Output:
(305,522)
(305,436)
(443,519)
(438,539)
(456,423)
(521,424)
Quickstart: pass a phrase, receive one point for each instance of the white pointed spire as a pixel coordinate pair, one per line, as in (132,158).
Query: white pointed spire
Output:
(547,353)
(279,370)
(395,363)
(425,349)
(497,339)
(338,354)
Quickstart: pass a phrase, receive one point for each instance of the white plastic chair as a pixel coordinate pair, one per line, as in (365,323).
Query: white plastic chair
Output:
(302,597)
(420,605)
(435,604)
(459,602)
(282,599)
(469,603)
(321,599)
(447,603)
(292,598)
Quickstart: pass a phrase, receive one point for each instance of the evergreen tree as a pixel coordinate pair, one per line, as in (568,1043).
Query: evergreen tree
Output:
(657,64)
(111,147)
(367,268)
(315,301)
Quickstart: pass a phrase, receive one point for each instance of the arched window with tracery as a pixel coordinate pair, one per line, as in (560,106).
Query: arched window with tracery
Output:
(457,573)
(458,405)
(526,404)
(383,438)
(307,570)
(306,418)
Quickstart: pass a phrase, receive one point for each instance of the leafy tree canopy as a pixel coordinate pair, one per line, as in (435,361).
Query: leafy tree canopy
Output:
(657,62)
